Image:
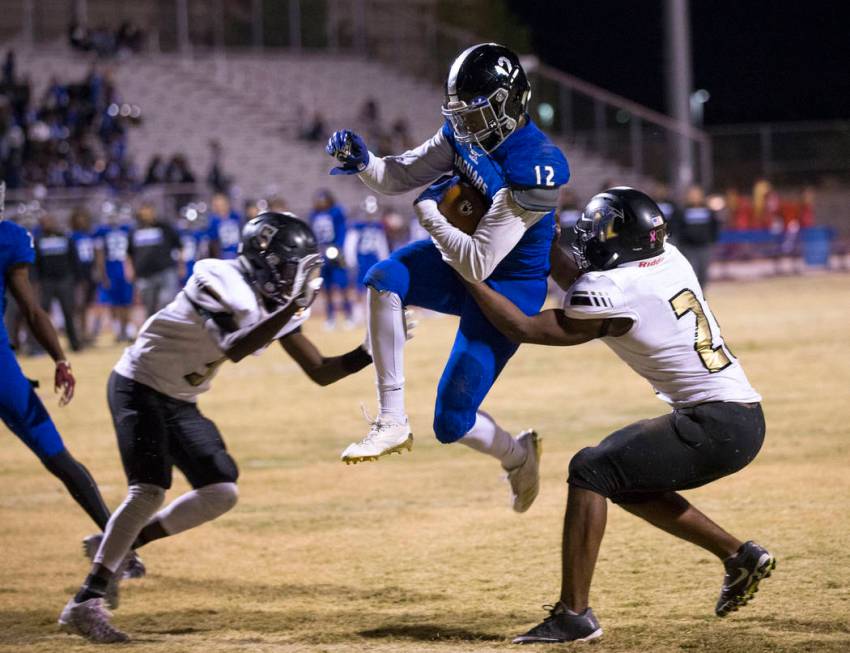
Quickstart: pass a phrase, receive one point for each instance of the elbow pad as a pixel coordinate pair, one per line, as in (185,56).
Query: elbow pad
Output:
(540,200)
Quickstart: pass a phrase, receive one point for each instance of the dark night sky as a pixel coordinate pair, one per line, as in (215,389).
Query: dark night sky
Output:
(761,60)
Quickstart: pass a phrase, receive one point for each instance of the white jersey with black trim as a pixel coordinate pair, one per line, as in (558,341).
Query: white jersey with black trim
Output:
(179,349)
(675,342)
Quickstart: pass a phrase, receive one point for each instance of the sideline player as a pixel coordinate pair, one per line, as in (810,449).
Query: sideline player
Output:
(114,270)
(20,408)
(489,140)
(643,299)
(229,309)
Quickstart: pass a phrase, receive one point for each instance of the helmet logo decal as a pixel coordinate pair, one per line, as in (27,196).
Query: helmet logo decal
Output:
(504,66)
(653,236)
(265,236)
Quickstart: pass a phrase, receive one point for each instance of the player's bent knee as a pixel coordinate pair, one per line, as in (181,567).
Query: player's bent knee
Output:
(388,276)
(218,498)
(587,470)
(225,468)
(451,426)
(146,493)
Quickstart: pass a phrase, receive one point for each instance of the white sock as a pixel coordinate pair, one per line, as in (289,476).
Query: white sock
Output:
(142,501)
(197,507)
(387,338)
(488,437)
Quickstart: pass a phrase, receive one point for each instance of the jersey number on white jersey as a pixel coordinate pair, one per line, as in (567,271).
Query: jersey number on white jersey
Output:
(714,359)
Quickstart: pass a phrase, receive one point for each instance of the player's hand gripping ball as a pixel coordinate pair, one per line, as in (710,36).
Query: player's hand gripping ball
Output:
(461,203)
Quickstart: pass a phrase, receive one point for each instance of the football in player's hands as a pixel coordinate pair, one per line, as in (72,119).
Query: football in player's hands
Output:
(463,206)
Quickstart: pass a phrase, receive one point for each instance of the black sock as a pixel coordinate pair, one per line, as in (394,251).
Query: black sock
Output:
(94,587)
(152,531)
(80,485)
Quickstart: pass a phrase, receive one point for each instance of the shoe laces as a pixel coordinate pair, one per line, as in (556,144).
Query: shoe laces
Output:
(376,424)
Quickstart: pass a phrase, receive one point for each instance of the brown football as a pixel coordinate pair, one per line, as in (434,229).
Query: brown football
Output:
(463,206)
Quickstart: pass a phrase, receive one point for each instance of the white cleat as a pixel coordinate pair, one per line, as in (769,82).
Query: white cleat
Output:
(525,479)
(90,619)
(385,437)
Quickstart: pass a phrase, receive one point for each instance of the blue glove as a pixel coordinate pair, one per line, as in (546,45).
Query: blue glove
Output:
(438,189)
(350,150)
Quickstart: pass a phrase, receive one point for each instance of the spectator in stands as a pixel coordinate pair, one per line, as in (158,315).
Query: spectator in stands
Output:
(316,130)
(8,77)
(155,251)
(328,221)
(225,228)
(156,171)
(694,230)
(402,140)
(56,268)
(216,179)
(86,286)
(178,172)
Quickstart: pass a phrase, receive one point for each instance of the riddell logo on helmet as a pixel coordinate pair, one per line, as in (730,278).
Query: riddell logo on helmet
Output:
(649,264)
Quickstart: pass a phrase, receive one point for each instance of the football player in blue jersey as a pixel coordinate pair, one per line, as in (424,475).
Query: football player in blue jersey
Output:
(366,243)
(20,408)
(114,271)
(225,228)
(329,224)
(489,140)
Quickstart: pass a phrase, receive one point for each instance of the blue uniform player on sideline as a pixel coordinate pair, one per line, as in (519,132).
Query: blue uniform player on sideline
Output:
(328,222)
(225,229)
(114,271)
(20,408)
(489,140)
(365,245)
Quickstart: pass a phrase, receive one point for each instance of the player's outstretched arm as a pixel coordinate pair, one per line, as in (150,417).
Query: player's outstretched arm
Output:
(323,370)
(42,329)
(551,327)
(564,269)
(244,342)
(390,175)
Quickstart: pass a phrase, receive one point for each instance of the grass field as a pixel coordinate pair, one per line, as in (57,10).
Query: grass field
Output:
(421,552)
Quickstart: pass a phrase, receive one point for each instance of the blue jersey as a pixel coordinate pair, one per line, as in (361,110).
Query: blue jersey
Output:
(84,244)
(526,159)
(193,246)
(114,240)
(365,244)
(16,248)
(329,227)
(227,232)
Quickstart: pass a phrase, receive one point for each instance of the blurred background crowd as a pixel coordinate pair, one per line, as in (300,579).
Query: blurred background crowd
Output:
(131,151)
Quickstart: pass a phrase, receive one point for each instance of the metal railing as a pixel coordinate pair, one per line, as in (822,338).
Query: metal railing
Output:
(402,34)
(786,153)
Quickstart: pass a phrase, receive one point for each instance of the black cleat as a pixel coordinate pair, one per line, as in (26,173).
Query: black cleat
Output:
(562,626)
(744,572)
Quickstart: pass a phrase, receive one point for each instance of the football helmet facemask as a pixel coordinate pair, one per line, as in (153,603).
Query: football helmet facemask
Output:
(617,226)
(282,257)
(487,93)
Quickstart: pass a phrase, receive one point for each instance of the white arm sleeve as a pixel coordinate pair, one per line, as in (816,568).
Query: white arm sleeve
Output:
(393,175)
(475,257)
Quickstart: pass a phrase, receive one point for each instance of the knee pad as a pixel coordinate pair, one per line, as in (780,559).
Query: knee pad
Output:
(217,499)
(388,276)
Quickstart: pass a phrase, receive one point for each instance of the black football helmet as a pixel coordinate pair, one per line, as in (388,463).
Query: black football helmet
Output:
(617,226)
(487,92)
(282,256)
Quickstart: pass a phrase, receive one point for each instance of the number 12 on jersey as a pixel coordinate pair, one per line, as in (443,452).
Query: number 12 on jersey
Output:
(545,175)
(714,359)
